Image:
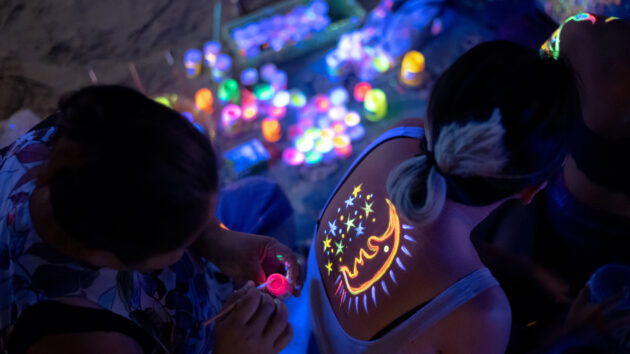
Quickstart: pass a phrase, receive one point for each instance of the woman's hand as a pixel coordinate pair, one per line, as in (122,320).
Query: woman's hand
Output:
(257,324)
(245,257)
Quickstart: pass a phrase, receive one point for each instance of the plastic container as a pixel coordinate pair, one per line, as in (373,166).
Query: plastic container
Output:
(345,15)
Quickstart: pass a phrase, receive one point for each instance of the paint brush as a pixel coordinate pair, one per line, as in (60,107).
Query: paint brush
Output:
(226,310)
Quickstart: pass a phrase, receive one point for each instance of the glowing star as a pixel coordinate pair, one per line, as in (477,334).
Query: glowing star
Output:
(327,244)
(349,223)
(340,247)
(373,242)
(333,228)
(329,267)
(357,190)
(359,229)
(349,202)
(368,209)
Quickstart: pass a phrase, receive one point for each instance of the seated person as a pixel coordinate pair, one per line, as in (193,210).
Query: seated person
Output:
(392,267)
(588,204)
(107,228)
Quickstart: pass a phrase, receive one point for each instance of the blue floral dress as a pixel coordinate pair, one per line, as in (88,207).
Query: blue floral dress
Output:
(170,304)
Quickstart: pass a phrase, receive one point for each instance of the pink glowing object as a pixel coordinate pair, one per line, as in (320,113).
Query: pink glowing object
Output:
(322,103)
(360,91)
(277,285)
(293,157)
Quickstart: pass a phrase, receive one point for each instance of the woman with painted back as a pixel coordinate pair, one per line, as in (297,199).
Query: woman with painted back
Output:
(392,267)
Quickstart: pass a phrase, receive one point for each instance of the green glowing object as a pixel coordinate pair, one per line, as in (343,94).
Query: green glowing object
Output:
(163,100)
(313,157)
(381,64)
(228,91)
(263,92)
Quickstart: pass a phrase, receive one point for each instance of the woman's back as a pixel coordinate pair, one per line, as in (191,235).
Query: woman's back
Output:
(380,274)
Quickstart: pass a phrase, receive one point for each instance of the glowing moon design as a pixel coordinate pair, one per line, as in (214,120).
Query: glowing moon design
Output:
(393,231)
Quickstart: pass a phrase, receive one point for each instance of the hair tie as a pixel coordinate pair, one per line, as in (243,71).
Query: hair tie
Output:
(429,155)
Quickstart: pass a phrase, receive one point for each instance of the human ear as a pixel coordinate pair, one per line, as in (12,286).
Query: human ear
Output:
(527,194)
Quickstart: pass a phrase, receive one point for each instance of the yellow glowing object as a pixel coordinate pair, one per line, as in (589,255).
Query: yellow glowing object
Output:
(412,68)
(393,230)
(271,130)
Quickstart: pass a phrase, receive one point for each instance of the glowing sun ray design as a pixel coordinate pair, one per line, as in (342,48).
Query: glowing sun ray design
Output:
(393,230)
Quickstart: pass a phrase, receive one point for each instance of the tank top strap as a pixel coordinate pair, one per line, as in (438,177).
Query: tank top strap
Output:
(462,291)
(399,132)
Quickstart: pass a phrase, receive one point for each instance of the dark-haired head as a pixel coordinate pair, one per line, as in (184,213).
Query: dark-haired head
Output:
(497,122)
(128,175)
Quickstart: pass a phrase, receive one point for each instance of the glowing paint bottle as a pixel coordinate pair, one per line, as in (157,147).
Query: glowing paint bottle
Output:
(249,77)
(230,116)
(221,67)
(277,285)
(324,146)
(375,105)
(204,100)
(271,130)
(322,103)
(192,62)
(282,98)
(298,98)
(352,119)
(263,92)
(250,111)
(278,112)
(343,148)
(304,144)
(313,158)
(412,68)
(337,113)
(360,90)
(338,96)
(339,128)
(312,133)
(292,157)
(228,91)
(210,51)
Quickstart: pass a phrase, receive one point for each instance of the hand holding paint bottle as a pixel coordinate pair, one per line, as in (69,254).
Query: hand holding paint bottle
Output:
(256,323)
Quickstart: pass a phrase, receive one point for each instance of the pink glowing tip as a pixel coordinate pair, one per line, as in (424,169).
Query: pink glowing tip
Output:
(277,285)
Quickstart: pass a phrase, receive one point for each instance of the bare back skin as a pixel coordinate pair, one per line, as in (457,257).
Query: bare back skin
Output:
(378,270)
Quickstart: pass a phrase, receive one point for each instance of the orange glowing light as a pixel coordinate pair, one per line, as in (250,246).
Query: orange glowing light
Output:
(204,100)
(393,230)
(271,130)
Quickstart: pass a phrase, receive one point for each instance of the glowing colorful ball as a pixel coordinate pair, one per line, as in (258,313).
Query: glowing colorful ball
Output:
(343,148)
(337,113)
